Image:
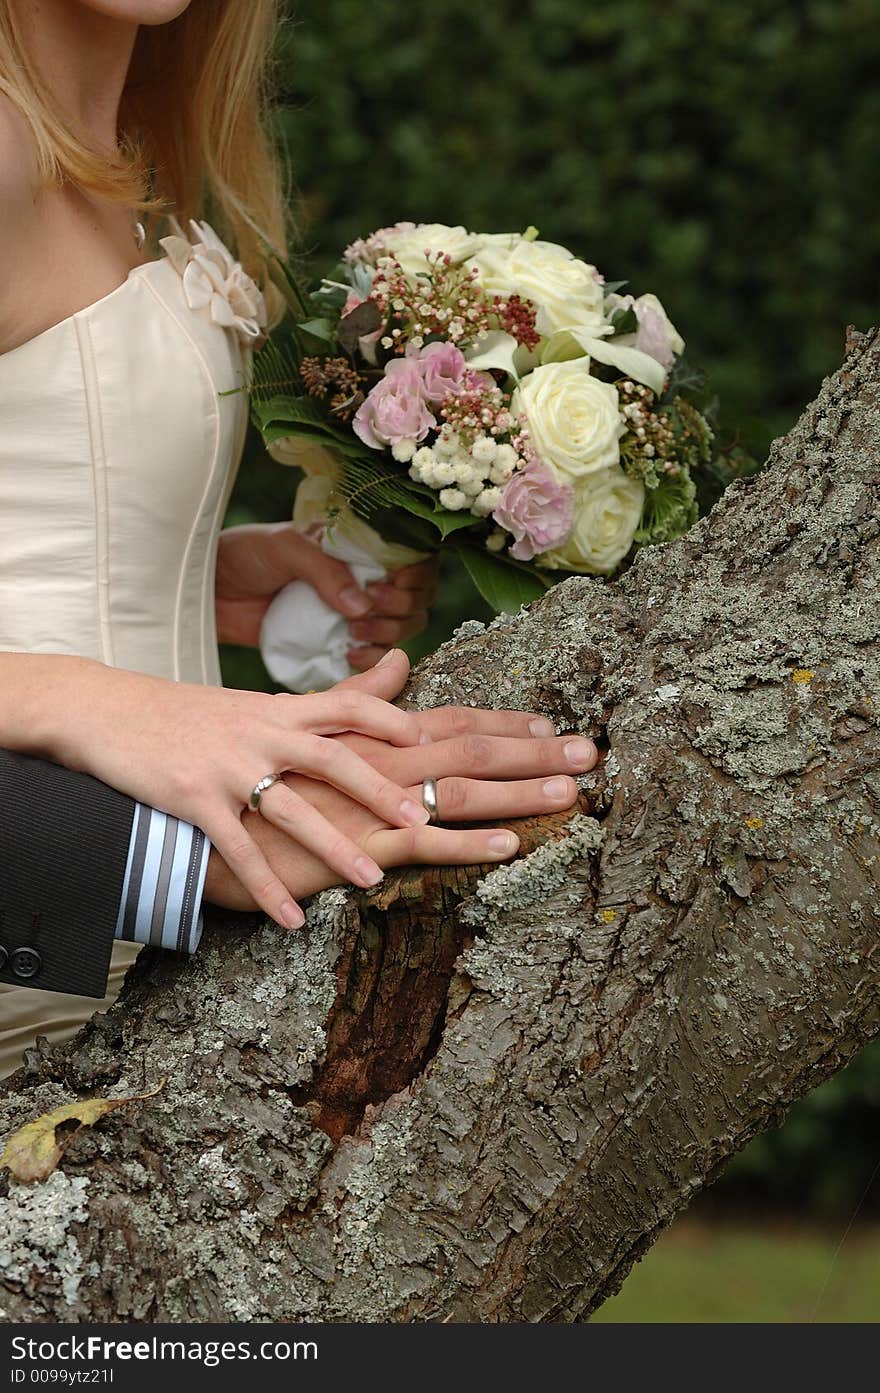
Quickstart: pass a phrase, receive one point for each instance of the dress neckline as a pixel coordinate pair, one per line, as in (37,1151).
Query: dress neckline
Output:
(86,309)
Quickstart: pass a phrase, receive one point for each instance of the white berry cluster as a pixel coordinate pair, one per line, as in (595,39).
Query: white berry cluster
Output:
(467,477)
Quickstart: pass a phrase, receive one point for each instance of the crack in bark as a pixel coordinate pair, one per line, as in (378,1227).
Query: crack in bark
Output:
(387,1020)
(394,977)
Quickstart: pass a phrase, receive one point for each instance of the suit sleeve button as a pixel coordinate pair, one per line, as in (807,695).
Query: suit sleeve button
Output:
(4,957)
(26,962)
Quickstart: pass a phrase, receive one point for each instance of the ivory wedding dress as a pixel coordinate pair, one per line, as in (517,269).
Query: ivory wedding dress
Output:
(117,459)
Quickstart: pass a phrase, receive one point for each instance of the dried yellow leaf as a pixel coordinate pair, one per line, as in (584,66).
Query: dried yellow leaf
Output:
(755,822)
(608,915)
(802,675)
(33,1152)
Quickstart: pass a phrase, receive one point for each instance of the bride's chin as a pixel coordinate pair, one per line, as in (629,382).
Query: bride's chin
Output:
(139,11)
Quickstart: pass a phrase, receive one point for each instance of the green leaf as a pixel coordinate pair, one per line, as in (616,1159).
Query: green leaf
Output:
(286,410)
(329,297)
(282,274)
(301,416)
(321,434)
(373,481)
(275,369)
(503,584)
(323,329)
(444,519)
(397,525)
(277,416)
(625,321)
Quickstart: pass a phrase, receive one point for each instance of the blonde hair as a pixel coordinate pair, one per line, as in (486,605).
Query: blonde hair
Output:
(194,131)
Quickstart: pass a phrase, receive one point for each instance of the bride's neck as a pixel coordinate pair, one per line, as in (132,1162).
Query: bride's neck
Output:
(83,57)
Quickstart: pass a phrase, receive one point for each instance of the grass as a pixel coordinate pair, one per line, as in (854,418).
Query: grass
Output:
(720,1272)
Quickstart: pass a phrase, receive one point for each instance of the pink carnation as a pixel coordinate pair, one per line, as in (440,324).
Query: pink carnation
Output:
(395,409)
(444,371)
(536,509)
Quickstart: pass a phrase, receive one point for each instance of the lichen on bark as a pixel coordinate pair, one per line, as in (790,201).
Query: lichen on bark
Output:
(479,1094)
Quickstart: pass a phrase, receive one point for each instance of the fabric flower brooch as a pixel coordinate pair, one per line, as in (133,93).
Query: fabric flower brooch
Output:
(213,278)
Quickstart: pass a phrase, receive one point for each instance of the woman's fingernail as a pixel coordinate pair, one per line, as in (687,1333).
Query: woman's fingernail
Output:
(557,788)
(389,657)
(292,915)
(367,871)
(542,726)
(580,753)
(354,601)
(503,843)
(414,813)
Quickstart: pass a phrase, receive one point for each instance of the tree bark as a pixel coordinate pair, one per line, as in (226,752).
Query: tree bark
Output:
(480,1095)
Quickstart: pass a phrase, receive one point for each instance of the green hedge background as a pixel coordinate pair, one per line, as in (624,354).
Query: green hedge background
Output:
(723,156)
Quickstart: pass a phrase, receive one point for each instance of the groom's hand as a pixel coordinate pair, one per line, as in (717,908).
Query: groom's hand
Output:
(490,767)
(257,560)
(399,610)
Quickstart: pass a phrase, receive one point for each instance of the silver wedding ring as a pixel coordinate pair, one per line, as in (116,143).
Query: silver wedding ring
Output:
(429,799)
(259,789)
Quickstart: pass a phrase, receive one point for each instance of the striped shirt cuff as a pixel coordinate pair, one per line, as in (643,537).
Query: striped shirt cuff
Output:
(163,883)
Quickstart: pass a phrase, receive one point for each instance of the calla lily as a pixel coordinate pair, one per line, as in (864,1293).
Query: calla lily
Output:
(495,350)
(575,342)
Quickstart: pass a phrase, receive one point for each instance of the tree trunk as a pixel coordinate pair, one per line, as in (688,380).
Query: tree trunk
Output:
(481,1094)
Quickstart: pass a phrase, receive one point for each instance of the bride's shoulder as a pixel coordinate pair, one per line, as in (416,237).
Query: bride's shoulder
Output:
(17,169)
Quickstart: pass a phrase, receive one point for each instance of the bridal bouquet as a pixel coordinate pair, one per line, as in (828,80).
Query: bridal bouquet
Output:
(490,394)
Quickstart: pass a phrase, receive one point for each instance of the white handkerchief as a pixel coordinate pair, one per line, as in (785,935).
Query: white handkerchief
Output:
(303,641)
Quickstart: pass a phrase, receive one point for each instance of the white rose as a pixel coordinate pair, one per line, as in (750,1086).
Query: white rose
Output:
(564,290)
(573,418)
(607,510)
(409,246)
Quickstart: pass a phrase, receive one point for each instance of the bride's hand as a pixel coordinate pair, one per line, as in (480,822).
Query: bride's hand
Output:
(197,752)
(255,561)
(488,765)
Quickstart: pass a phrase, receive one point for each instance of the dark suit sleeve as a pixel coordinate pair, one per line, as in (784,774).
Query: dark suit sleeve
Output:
(64,840)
